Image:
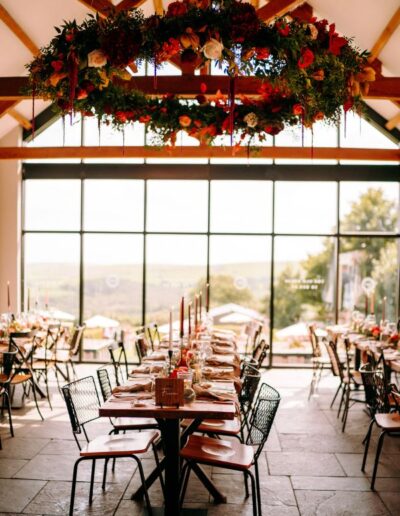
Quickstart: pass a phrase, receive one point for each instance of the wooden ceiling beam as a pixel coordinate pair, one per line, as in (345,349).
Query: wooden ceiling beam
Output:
(7,153)
(24,122)
(386,34)
(103,7)
(387,88)
(17,30)
(129,4)
(6,105)
(276,8)
(391,124)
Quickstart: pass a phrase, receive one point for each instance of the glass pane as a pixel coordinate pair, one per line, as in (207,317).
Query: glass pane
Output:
(241,206)
(52,272)
(356,132)
(362,257)
(239,279)
(304,289)
(366,206)
(114,205)
(52,204)
(177,205)
(176,266)
(305,207)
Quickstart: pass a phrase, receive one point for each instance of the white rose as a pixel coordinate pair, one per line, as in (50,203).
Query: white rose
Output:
(213,49)
(251,119)
(96,58)
(313,31)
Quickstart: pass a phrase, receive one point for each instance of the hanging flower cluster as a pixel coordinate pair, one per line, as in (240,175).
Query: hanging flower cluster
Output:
(308,72)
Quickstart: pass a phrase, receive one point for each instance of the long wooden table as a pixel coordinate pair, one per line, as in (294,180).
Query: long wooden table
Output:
(169,419)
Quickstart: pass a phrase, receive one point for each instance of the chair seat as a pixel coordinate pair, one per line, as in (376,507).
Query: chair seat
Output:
(119,445)
(217,426)
(389,422)
(20,378)
(133,423)
(218,452)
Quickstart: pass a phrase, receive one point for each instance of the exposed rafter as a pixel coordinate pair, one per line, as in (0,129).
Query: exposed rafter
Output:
(7,153)
(129,4)
(392,123)
(17,30)
(6,105)
(387,88)
(380,43)
(102,7)
(277,8)
(24,122)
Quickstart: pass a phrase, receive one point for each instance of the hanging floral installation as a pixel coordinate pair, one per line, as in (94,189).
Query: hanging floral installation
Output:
(307,71)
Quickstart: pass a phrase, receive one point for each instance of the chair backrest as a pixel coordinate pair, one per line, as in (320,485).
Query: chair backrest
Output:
(382,401)
(82,400)
(337,368)
(153,335)
(119,361)
(261,351)
(262,417)
(76,339)
(103,376)
(6,364)
(250,379)
(367,375)
(142,344)
(315,345)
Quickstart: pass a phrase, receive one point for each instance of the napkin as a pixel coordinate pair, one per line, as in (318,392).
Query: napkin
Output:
(222,350)
(213,393)
(223,360)
(155,356)
(226,373)
(133,387)
(147,369)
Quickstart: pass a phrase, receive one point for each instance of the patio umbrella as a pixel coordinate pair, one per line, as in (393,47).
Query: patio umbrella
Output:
(100,321)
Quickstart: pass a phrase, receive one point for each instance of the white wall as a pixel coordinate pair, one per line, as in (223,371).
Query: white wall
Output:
(10,224)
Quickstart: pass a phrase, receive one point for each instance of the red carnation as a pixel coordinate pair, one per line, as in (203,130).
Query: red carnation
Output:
(177,9)
(283,28)
(57,65)
(297,109)
(306,58)
(144,119)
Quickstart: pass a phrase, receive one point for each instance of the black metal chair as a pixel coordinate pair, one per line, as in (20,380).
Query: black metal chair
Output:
(238,456)
(119,361)
(142,344)
(250,377)
(350,381)
(65,356)
(6,366)
(388,422)
(83,404)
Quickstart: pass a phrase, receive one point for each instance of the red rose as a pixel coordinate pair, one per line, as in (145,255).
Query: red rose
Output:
(335,41)
(306,59)
(57,65)
(144,119)
(121,116)
(262,53)
(88,86)
(283,28)
(297,109)
(81,94)
(177,9)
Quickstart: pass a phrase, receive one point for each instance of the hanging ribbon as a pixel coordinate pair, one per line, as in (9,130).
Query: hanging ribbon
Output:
(232,87)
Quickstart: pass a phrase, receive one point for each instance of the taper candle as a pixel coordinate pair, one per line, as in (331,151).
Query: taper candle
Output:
(384,308)
(8,297)
(196,300)
(182,316)
(200,296)
(170,329)
(29,299)
(189,319)
(372,303)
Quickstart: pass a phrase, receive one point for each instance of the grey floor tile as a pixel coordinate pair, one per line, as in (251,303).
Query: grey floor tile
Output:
(8,467)
(389,465)
(392,501)
(331,483)
(16,494)
(340,503)
(336,443)
(21,448)
(54,499)
(304,464)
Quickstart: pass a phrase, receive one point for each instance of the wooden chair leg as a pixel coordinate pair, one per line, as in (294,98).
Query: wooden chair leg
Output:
(378,453)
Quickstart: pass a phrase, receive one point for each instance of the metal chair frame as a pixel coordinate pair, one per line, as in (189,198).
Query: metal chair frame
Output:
(119,361)
(83,402)
(6,367)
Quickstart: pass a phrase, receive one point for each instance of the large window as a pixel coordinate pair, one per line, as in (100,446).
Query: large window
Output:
(116,243)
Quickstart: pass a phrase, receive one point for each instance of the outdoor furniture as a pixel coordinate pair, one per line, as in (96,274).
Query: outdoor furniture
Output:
(232,454)
(387,422)
(319,362)
(65,356)
(119,361)
(6,364)
(169,419)
(83,402)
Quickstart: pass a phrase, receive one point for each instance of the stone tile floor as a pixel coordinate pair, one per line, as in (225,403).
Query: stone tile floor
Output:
(308,466)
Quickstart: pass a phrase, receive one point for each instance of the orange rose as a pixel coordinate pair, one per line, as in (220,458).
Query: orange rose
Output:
(185,121)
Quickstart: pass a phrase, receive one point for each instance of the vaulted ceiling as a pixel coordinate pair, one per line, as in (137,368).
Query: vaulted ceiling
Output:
(26,26)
